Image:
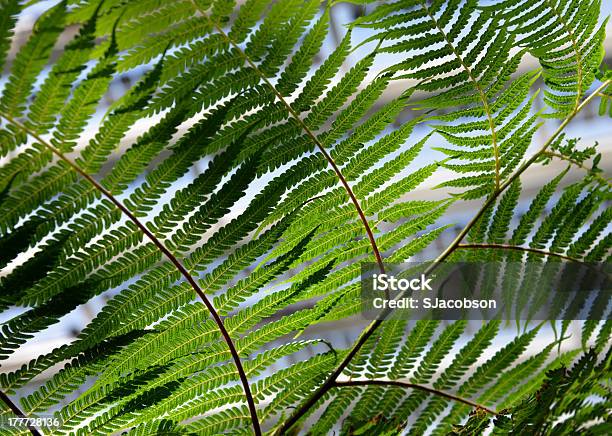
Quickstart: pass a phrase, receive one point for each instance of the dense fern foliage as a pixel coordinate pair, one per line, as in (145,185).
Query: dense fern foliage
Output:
(537,414)
(219,284)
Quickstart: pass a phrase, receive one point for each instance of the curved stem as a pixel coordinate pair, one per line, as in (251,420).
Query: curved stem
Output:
(373,326)
(177,263)
(331,380)
(517,248)
(17,411)
(416,387)
(577,164)
(312,136)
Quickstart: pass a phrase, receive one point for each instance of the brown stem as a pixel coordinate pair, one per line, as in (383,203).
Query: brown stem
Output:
(517,248)
(329,382)
(312,136)
(177,263)
(17,411)
(417,387)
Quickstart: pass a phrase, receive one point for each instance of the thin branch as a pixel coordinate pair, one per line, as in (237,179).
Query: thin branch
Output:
(17,411)
(373,326)
(330,382)
(517,248)
(177,263)
(311,135)
(577,164)
(417,387)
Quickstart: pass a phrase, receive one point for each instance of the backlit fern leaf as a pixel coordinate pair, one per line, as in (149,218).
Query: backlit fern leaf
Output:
(565,39)
(254,167)
(31,60)
(458,77)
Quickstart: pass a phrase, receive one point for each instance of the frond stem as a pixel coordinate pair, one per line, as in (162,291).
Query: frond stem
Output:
(373,326)
(17,411)
(177,263)
(312,136)
(516,248)
(577,164)
(481,93)
(416,387)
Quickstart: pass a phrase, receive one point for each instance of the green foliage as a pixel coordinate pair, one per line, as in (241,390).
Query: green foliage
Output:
(565,38)
(569,401)
(303,171)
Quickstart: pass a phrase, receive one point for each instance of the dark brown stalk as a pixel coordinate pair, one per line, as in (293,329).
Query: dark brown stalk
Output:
(314,139)
(328,384)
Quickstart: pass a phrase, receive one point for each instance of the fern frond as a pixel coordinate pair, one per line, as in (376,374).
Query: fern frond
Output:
(452,374)
(485,373)
(31,59)
(563,37)
(267,167)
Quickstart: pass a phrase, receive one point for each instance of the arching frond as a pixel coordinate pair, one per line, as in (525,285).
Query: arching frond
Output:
(216,211)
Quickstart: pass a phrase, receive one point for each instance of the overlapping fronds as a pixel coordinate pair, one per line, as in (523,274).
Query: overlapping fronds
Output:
(399,368)
(533,414)
(572,231)
(566,38)
(464,62)
(223,203)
